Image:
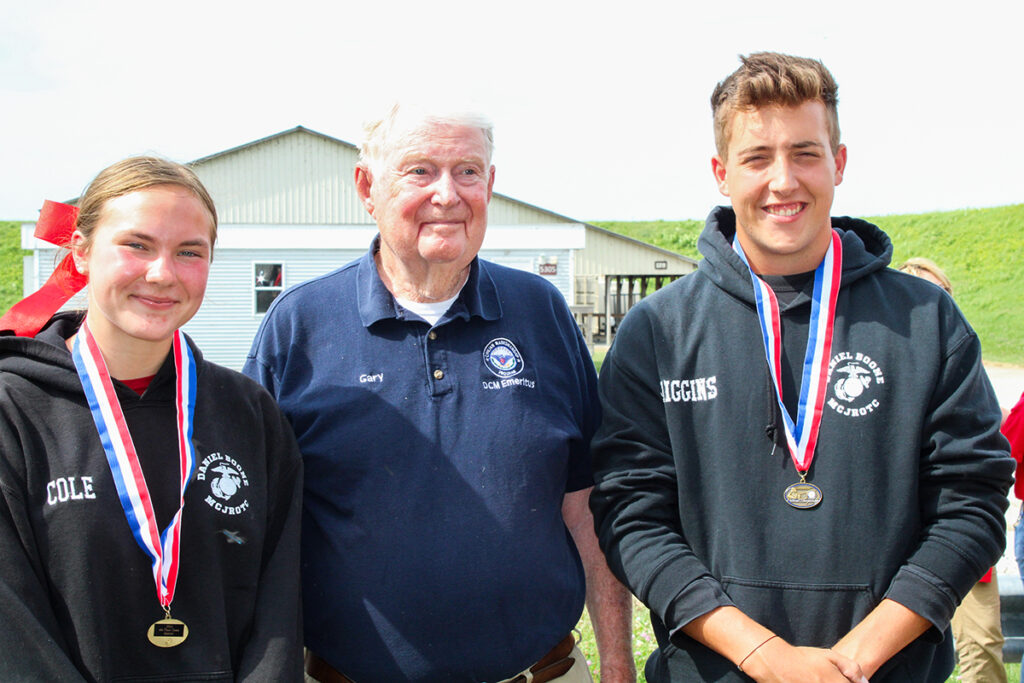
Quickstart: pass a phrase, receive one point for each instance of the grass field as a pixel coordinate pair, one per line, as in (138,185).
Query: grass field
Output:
(982,251)
(10,264)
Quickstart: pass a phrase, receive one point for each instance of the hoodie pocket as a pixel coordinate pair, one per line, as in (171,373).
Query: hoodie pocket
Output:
(814,614)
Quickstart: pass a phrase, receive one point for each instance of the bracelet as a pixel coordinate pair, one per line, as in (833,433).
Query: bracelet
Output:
(763,643)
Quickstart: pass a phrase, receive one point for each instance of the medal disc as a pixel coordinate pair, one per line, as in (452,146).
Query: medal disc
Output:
(167,633)
(802,495)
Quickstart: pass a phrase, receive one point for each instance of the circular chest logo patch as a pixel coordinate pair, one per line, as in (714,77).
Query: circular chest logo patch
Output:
(227,483)
(855,383)
(502,358)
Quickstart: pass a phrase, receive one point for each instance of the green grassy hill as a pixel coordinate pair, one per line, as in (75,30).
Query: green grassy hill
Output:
(982,251)
(10,264)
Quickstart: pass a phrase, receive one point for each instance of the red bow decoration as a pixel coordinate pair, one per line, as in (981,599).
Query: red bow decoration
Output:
(55,225)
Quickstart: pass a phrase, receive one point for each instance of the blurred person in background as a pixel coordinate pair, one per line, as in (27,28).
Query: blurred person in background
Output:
(977,630)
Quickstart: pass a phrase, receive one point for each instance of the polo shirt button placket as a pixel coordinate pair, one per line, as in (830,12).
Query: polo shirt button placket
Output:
(437,364)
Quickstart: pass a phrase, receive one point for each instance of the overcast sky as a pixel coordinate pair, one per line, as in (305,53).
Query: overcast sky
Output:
(600,109)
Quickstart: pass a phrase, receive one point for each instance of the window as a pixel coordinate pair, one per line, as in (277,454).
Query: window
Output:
(268,282)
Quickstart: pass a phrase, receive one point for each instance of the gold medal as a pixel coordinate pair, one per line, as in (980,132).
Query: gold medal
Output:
(167,632)
(802,495)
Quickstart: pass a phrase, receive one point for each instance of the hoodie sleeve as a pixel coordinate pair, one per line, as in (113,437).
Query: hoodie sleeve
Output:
(31,645)
(635,505)
(965,473)
(273,651)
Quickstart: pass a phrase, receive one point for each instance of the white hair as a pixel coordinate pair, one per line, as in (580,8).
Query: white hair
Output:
(379,135)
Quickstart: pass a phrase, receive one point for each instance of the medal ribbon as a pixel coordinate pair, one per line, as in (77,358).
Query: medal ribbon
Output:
(802,437)
(162,549)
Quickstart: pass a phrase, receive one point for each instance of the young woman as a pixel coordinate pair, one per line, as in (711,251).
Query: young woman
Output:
(149,500)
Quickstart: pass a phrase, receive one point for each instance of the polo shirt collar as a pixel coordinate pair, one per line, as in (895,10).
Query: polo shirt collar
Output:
(479,296)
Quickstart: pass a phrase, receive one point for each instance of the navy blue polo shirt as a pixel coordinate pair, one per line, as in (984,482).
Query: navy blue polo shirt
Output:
(436,460)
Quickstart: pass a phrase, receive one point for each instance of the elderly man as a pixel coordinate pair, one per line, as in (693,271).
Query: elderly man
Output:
(799,469)
(444,407)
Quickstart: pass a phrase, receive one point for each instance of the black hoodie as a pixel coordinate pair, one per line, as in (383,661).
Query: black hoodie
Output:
(691,466)
(76,592)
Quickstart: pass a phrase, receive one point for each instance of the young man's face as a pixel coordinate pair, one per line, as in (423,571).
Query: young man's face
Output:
(781,174)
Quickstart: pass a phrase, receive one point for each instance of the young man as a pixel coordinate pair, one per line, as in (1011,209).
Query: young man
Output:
(799,470)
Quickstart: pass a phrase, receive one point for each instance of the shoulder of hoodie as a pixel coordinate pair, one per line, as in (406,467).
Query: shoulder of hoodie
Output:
(231,385)
(911,292)
(870,254)
(867,249)
(17,354)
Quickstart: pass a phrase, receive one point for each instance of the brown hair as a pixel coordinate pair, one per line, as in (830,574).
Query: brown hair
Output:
(770,78)
(131,175)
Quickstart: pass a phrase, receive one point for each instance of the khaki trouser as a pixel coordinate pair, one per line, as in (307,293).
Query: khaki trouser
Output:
(979,636)
(579,673)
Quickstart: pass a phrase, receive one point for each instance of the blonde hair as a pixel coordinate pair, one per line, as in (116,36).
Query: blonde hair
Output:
(923,267)
(770,78)
(131,175)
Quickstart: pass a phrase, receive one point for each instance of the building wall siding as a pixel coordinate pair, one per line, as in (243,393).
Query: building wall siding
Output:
(606,254)
(226,323)
(304,178)
(302,182)
(298,178)
(506,211)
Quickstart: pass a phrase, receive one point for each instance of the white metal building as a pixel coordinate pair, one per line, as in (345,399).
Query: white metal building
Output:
(288,211)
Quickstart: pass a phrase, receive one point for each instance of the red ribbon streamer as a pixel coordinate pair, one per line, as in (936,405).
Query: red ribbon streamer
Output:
(55,225)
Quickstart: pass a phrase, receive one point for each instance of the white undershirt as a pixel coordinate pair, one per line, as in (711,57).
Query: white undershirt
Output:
(431,311)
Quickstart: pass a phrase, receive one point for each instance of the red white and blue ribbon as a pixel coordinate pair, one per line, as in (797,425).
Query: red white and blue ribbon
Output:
(162,548)
(802,436)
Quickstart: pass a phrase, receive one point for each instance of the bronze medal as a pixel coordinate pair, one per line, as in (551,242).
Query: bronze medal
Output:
(167,632)
(801,429)
(802,495)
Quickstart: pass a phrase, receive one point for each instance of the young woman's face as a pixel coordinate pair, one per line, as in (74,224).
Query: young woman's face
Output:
(147,264)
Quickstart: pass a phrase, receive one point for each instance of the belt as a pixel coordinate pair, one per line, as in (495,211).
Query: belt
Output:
(552,665)
(320,670)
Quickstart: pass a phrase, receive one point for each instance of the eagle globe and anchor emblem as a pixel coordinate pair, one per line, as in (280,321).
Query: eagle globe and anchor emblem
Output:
(851,386)
(227,481)
(804,495)
(227,484)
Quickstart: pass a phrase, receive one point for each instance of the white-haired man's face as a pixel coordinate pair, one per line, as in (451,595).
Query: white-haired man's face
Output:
(429,195)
